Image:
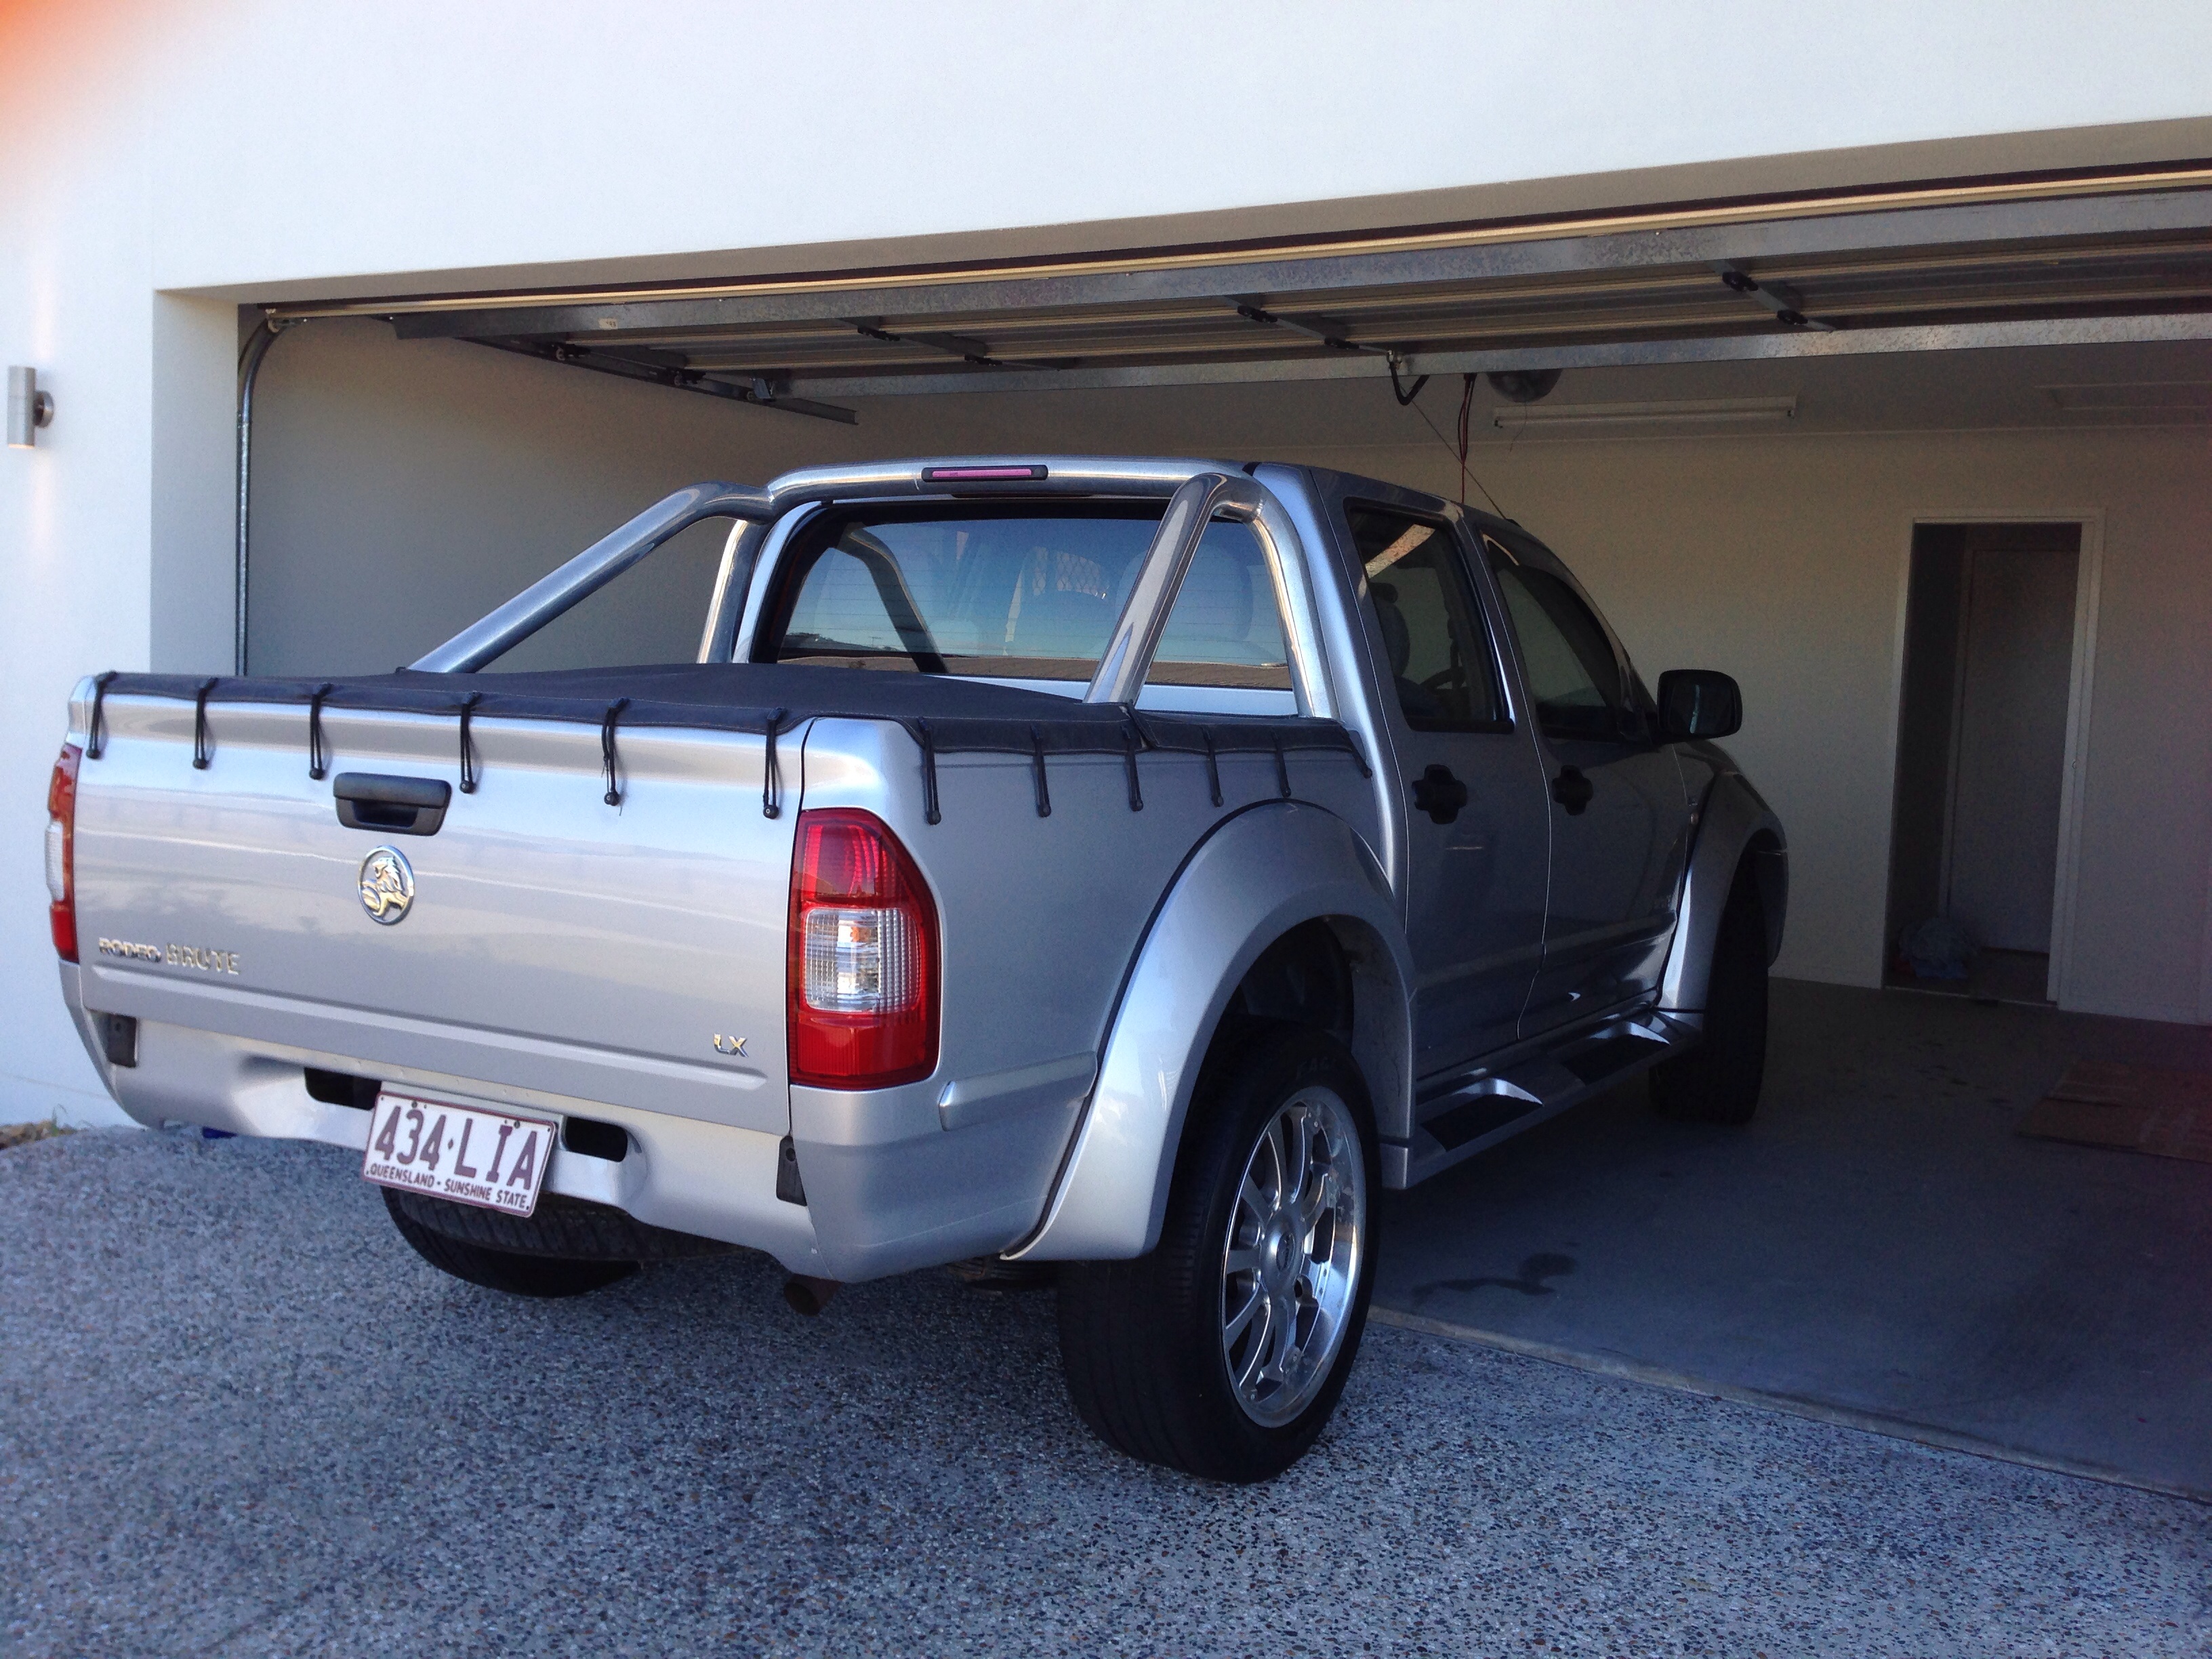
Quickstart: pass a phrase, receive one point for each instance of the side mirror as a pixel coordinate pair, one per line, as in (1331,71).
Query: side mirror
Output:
(1698,702)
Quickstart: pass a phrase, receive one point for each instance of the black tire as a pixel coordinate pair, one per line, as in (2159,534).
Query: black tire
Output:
(572,1227)
(1719,1081)
(519,1273)
(1142,1343)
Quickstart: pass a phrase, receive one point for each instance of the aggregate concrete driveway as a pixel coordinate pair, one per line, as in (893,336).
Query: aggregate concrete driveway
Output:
(237,1416)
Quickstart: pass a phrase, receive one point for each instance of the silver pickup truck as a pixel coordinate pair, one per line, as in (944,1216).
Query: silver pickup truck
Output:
(1112,871)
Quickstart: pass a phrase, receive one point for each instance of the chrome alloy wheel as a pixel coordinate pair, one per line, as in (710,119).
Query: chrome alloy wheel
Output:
(1291,1263)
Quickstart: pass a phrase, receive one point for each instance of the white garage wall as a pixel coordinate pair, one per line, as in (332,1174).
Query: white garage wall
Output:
(401,493)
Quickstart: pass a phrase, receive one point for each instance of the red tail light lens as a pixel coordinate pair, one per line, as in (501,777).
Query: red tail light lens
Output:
(61,851)
(862,980)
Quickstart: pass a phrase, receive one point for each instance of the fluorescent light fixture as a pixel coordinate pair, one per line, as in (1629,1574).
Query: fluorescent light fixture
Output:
(1702,411)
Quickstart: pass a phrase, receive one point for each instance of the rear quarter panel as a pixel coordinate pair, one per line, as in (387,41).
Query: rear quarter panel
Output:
(1042,917)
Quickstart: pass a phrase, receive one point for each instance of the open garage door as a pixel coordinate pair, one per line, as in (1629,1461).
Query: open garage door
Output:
(2057,259)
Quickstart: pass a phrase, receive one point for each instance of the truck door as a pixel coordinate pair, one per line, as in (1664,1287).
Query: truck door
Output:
(1619,821)
(1476,839)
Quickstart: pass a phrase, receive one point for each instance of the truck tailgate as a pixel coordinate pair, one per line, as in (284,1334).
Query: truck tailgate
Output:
(632,953)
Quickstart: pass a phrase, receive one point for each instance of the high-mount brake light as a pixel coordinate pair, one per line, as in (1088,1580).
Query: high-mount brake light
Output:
(61,851)
(862,976)
(980,474)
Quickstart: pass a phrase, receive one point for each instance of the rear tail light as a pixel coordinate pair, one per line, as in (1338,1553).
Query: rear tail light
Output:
(61,851)
(863,972)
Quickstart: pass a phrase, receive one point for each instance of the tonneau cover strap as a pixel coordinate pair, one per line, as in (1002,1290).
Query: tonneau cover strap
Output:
(771,777)
(96,739)
(202,750)
(613,796)
(468,754)
(1043,793)
(928,740)
(318,758)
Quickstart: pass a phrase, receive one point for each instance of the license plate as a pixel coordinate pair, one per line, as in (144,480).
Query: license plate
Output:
(464,1153)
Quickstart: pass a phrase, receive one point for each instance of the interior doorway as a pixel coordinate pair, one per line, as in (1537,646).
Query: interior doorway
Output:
(1984,720)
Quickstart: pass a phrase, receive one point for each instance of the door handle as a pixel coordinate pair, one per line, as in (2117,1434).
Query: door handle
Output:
(1439,795)
(1573,790)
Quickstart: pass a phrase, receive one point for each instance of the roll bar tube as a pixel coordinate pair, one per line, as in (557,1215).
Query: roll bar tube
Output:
(1128,654)
(1198,492)
(552,594)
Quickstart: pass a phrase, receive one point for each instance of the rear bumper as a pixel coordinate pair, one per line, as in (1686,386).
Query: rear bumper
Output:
(900,1178)
(894,1181)
(710,1179)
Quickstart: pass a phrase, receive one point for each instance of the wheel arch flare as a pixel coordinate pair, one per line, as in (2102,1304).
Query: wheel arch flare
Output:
(1262,875)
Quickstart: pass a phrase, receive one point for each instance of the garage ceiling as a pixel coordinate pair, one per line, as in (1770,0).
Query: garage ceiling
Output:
(2108,258)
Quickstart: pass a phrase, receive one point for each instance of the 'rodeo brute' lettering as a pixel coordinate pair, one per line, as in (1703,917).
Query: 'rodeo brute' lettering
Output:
(206,960)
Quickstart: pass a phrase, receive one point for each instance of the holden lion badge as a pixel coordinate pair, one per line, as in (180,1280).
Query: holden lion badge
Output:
(387,885)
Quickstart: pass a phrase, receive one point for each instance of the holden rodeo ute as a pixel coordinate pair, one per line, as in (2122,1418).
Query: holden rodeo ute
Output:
(1118,870)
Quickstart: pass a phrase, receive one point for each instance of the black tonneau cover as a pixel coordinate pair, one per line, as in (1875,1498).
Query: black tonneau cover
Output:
(942,714)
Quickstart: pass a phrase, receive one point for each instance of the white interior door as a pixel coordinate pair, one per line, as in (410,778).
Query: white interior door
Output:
(2009,774)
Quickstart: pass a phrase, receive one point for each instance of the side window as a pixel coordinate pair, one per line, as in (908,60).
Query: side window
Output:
(1225,627)
(1439,652)
(1574,679)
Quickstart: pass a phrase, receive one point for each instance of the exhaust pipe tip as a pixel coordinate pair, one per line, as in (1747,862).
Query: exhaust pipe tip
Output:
(807,1294)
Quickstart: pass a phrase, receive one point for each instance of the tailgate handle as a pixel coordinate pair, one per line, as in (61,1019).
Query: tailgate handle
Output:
(394,805)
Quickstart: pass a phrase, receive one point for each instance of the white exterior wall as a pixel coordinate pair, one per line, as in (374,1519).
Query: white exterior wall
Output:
(155,161)
(407,136)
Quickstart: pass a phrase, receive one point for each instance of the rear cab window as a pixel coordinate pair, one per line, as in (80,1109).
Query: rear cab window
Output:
(1022,595)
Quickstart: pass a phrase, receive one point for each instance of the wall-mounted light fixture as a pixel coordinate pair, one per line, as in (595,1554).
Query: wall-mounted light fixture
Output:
(1706,411)
(28,408)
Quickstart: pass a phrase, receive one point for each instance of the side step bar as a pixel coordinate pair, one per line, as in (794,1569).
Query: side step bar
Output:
(1456,1117)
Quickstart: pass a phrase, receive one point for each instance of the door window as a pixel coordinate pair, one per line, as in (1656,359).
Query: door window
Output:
(1438,650)
(1574,679)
